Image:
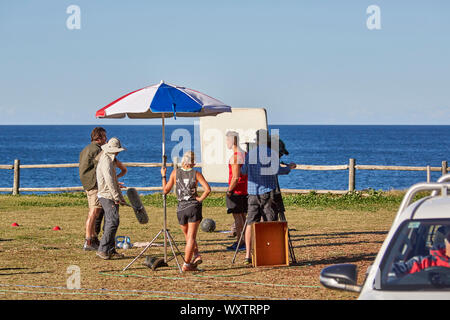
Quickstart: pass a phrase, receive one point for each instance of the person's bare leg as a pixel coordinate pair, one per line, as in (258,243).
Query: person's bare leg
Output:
(185,229)
(233,230)
(90,222)
(191,243)
(248,242)
(239,221)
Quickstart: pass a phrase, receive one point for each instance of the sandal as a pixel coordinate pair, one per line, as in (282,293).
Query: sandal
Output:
(197,260)
(247,261)
(189,267)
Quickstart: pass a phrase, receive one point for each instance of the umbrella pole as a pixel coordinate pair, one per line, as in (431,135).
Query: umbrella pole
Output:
(164,196)
(167,236)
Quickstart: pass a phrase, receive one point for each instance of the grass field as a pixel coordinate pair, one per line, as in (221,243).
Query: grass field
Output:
(325,230)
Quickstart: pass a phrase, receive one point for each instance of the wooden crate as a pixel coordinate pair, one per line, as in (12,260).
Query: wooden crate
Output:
(270,243)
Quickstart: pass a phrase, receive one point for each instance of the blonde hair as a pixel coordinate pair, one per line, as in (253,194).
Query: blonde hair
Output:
(188,158)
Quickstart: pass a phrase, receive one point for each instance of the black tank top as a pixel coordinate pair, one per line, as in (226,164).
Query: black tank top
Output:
(186,185)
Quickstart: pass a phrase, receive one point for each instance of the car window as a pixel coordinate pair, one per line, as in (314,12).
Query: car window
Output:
(417,257)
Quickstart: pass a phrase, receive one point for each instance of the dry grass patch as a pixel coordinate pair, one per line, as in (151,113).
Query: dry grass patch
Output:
(34,258)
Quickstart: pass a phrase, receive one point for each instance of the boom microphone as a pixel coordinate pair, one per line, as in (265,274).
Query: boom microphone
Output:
(137,205)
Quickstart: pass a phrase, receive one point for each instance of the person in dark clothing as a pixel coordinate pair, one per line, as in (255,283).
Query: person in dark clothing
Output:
(189,209)
(277,197)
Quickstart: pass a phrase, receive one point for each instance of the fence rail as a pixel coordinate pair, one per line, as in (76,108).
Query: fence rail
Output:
(351,167)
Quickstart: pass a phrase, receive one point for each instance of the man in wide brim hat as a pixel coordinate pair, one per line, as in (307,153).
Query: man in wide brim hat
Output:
(110,196)
(113,146)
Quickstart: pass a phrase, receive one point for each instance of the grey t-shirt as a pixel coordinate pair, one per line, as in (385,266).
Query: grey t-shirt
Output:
(186,185)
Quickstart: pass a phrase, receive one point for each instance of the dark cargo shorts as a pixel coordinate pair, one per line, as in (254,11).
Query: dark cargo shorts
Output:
(261,206)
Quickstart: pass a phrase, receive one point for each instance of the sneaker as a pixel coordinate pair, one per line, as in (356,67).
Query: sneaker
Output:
(234,245)
(197,260)
(248,261)
(116,255)
(103,255)
(90,245)
(189,267)
(96,242)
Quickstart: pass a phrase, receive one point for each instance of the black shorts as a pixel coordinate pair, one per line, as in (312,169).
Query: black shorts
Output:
(237,203)
(189,212)
(261,206)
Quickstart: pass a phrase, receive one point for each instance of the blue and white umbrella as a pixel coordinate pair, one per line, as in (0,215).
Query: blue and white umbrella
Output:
(163,100)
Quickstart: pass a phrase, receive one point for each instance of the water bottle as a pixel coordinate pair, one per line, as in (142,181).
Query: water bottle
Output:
(120,241)
(127,244)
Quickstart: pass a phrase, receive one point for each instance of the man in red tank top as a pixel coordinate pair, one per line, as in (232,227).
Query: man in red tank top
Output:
(237,197)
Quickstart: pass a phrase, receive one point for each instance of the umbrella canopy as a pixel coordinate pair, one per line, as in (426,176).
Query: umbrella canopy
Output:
(163,100)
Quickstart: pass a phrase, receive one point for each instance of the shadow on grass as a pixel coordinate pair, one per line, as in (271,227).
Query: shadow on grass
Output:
(333,244)
(352,233)
(16,273)
(130,273)
(337,260)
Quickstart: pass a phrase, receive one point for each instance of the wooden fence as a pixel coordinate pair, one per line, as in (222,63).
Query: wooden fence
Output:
(351,167)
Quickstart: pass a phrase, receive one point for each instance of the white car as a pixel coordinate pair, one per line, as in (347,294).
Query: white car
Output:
(413,261)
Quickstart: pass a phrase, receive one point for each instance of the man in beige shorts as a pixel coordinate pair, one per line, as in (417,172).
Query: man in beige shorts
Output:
(87,169)
(87,165)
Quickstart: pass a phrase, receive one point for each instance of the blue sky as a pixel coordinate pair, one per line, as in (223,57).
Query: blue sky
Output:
(306,62)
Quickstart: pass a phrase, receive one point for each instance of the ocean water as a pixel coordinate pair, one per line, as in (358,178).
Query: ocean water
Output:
(318,145)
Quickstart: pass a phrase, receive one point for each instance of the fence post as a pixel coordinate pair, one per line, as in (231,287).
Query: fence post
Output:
(444,167)
(428,174)
(175,166)
(351,175)
(16,181)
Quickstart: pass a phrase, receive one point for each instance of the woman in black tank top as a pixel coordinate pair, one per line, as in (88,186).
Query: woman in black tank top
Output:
(189,210)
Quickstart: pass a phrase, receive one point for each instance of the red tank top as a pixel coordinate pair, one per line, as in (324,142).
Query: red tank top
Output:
(241,187)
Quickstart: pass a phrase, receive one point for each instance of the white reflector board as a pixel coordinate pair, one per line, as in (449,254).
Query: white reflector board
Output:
(214,151)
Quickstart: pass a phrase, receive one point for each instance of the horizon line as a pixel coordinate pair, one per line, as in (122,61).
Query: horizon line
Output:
(158,124)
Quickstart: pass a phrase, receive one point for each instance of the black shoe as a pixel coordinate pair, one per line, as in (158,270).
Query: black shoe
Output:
(116,255)
(95,241)
(90,245)
(248,261)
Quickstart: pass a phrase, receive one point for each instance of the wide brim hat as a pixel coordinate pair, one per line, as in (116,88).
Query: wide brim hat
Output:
(113,146)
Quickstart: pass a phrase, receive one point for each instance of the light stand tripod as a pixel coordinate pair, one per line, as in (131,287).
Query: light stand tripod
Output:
(164,230)
(291,247)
